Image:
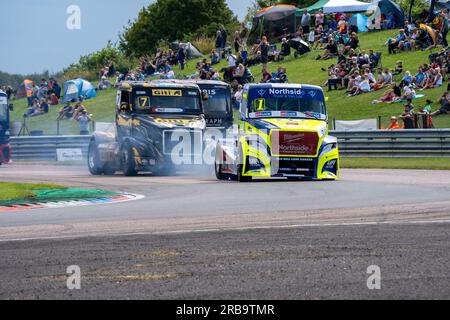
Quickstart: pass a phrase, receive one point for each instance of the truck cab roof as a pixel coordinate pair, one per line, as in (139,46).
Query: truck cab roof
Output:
(130,85)
(281,86)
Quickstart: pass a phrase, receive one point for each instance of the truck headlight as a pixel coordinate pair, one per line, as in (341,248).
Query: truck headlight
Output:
(329,147)
(197,125)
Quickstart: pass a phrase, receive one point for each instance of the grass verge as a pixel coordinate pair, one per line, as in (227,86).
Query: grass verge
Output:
(396,163)
(14,191)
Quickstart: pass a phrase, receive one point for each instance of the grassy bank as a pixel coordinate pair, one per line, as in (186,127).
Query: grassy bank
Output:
(303,70)
(396,163)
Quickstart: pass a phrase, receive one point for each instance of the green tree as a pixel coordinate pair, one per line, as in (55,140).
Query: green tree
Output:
(172,20)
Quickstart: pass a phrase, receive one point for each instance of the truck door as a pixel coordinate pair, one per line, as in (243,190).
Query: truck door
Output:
(124,115)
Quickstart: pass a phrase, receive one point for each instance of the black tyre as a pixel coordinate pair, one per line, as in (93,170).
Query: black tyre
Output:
(109,170)
(240,177)
(95,167)
(240,167)
(219,174)
(128,162)
(218,166)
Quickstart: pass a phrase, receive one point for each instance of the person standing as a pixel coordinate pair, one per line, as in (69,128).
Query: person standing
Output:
(83,121)
(237,42)
(181,56)
(444,29)
(264,48)
(306,22)
(219,41)
(320,18)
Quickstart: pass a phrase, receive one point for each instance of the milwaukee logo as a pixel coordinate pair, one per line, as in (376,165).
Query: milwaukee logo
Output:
(294,143)
(292,138)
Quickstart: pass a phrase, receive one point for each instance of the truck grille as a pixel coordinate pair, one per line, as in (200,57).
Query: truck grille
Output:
(294,143)
(293,166)
(183,142)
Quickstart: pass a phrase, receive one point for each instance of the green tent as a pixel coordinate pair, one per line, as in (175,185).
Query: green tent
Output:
(313,8)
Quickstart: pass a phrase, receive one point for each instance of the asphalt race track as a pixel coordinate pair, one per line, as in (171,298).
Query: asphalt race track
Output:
(194,237)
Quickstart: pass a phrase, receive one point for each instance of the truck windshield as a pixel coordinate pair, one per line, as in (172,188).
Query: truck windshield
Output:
(168,101)
(219,100)
(294,103)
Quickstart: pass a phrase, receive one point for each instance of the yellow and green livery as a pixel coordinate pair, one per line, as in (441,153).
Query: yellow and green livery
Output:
(283,132)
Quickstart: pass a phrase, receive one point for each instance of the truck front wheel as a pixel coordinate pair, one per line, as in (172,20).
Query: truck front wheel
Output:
(95,167)
(128,162)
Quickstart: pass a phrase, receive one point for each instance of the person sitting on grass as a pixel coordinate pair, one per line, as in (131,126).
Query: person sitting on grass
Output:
(354,81)
(397,43)
(391,95)
(280,77)
(331,51)
(407,79)
(78,109)
(214,57)
(444,101)
(435,79)
(66,112)
(362,87)
(408,92)
(34,110)
(420,79)
(266,76)
(398,68)
(104,84)
(285,50)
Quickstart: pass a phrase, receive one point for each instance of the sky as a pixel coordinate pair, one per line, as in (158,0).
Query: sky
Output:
(36,37)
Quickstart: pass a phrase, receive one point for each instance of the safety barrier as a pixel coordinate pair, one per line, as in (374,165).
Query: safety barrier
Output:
(394,143)
(45,148)
(379,143)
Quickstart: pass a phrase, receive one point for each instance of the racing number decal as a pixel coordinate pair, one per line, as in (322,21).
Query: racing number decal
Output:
(143,102)
(259,104)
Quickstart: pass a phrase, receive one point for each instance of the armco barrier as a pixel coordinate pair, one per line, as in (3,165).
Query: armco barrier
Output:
(44,148)
(394,143)
(380,143)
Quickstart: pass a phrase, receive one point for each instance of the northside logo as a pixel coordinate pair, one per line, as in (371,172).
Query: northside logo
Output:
(285,91)
(262,92)
(167,93)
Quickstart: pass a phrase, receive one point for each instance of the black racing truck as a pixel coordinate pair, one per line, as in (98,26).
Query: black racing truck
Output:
(5,148)
(218,107)
(159,127)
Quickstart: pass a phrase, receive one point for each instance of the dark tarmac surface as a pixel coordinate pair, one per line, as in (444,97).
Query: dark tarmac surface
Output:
(298,263)
(195,238)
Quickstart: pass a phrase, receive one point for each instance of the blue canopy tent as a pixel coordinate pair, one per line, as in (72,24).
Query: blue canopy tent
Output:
(74,89)
(360,21)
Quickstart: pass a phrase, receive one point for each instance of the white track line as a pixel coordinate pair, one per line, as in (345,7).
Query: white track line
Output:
(225,229)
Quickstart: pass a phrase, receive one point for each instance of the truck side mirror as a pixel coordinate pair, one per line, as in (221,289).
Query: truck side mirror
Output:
(11,107)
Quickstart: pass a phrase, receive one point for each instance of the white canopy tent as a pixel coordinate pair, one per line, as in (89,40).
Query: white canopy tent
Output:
(334,6)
